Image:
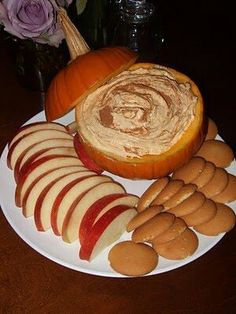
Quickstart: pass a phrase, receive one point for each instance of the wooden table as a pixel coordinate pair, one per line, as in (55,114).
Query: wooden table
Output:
(199,43)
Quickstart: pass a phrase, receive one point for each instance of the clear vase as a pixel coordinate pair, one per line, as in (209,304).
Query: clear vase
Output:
(137,29)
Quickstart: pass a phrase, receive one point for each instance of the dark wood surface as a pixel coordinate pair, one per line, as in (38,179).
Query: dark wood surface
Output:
(200,43)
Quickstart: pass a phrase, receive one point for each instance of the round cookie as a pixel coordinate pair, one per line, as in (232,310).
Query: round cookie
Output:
(132,259)
(223,221)
(173,232)
(217,184)
(229,193)
(150,194)
(169,190)
(189,205)
(153,227)
(212,130)
(217,152)
(181,247)
(180,196)
(203,214)
(143,216)
(206,175)
(191,170)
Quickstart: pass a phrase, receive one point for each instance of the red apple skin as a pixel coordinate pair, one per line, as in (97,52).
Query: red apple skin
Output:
(40,125)
(17,171)
(38,205)
(59,199)
(28,170)
(72,220)
(19,200)
(18,164)
(13,147)
(97,230)
(10,151)
(92,213)
(37,212)
(29,201)
(37,219)
(83,156)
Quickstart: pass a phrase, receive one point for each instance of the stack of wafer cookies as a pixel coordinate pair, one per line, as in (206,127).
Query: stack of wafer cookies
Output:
(194,199)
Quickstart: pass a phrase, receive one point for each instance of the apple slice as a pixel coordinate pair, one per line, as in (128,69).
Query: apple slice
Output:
(44,202)
(69,197)
(71,223)
(106,231)
(30,198)
(56,151)
(66,151)
(35,126)
(39,168)
(40,147)
(83,156)
(30,139)
(100,207)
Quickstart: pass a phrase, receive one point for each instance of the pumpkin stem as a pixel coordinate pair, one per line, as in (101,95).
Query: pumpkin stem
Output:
(76,44)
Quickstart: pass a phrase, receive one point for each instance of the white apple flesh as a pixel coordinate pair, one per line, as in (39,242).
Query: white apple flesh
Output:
(58,151)
(71,223)
(45,200)
(69,197)
(99,208)
(35,149)
(39,168)
(30,198)
(35,126)
(66,151)
(106,231)
(30,139)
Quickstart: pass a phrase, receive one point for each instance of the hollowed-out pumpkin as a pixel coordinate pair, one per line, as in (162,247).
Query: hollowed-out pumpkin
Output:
(104,104)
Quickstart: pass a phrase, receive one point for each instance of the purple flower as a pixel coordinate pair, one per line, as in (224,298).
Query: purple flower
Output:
(32,19)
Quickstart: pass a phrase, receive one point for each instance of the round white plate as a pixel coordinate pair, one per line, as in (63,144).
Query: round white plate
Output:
(52,247)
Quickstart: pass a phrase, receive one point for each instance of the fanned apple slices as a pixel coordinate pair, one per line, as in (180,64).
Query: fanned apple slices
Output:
(39,168)
(106,231)
(29,128)
(100,208)
(51,193)
(68,198)
(37,150)
(30,197)
(66,194)
(72,220)
(26,141)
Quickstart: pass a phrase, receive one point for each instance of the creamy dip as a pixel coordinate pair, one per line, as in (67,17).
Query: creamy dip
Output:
(138,112)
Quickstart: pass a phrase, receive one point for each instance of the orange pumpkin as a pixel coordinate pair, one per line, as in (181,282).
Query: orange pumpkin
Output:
(82,76)
(153,166)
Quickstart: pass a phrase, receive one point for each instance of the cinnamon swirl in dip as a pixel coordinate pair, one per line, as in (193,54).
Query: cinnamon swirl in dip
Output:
(140,116)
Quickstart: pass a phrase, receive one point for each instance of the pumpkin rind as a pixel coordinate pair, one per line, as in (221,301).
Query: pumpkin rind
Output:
(82,76)
(154,166)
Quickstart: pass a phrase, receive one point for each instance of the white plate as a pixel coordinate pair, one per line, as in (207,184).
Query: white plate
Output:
(52,247)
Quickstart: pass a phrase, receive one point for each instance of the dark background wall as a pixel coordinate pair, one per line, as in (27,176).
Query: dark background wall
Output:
(200,41)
